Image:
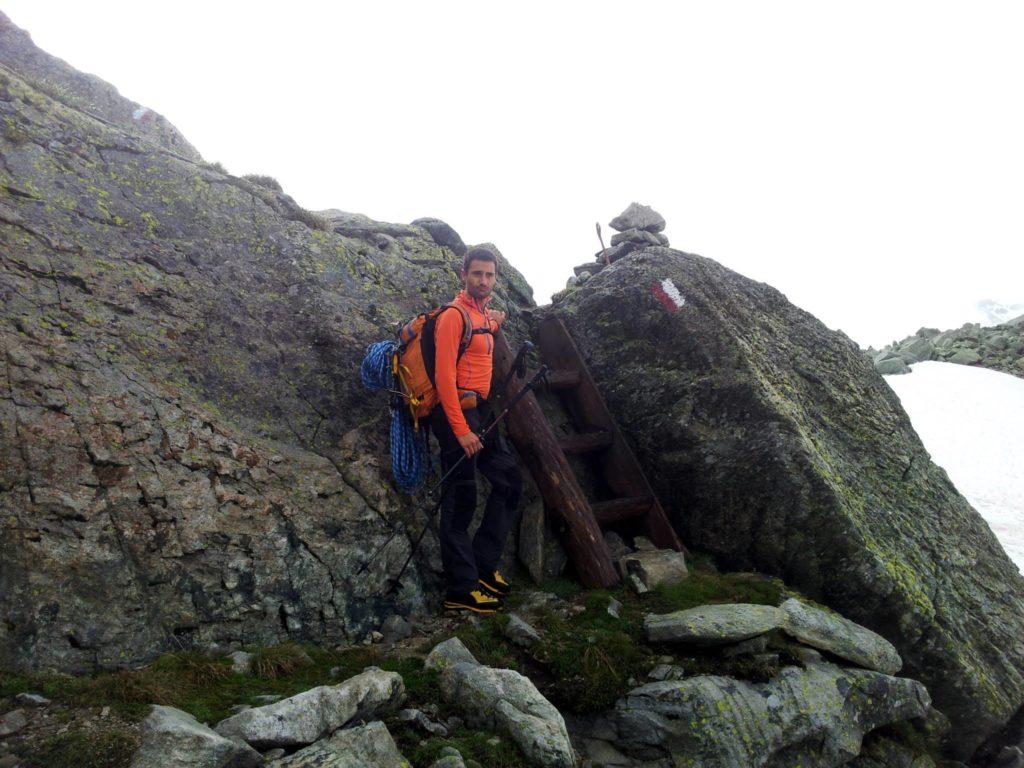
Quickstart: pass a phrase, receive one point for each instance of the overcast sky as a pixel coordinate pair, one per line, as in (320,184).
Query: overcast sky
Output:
(867,159)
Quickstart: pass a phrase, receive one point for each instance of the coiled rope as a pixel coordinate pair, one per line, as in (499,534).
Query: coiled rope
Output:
(410,460)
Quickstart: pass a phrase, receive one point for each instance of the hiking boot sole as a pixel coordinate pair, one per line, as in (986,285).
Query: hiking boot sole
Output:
(495,591)
(450,606)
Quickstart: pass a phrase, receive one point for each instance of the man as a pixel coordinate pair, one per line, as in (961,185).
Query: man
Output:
(463,384)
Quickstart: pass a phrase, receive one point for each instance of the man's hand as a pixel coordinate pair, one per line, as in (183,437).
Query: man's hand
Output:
(496,315)
(471,444)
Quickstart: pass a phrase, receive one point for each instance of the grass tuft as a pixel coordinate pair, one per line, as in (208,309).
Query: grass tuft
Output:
(279,661)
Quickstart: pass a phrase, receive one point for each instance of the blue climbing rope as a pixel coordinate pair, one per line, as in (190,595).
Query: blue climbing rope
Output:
(410,461)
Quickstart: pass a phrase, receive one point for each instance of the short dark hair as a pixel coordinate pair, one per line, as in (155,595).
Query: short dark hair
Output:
(479,254)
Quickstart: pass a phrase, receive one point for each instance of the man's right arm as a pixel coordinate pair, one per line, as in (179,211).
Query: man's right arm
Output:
(447,334)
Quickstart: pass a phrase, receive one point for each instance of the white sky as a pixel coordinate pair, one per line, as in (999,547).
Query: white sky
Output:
(864,158)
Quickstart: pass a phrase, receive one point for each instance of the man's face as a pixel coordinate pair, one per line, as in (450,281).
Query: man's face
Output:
(479,278)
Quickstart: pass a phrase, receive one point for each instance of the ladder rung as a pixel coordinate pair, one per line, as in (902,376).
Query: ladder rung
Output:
(563,379)
(607,512)
(586,442)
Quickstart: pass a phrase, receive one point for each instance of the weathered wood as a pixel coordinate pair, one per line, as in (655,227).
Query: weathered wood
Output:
(615,510)
(563,379)
(619,466)
(586,442)
(532,435)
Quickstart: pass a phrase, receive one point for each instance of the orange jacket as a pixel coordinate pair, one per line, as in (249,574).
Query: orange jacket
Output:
(473,371)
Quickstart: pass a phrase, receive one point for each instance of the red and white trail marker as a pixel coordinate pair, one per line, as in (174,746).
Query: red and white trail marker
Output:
(669,296)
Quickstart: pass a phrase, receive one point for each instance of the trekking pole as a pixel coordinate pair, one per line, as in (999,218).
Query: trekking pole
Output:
(396,582)
(518,367)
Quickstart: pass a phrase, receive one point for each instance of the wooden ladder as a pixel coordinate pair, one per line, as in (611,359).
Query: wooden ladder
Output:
(596,437)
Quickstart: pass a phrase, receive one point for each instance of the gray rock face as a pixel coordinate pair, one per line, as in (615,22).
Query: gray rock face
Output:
(638,216)
(504,701)
(714,624)
(776,447)
(839,636)
(313,714)
(187,455)
(814,716)
(87,93)
(442,234)
(365,746)
(172,737)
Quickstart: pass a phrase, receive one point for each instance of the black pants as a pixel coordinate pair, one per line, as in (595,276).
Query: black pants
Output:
(464,560)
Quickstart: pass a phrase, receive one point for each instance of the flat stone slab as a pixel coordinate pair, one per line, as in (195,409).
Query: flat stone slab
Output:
(302,719)
(714,624)
(839,636)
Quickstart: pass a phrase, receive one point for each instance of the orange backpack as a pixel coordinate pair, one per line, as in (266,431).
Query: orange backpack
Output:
(413,362)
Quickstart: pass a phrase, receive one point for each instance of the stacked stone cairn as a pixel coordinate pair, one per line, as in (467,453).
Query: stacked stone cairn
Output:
(637,227)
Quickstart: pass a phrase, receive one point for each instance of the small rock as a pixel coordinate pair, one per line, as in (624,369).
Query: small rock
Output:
(267,698)
(335,672)
(395,628)
(520,632)
(655,567)
(421,721)
(667,672)
(638,216)
(637,584)
(274,754)
(748,647)
(241,662)
(31,700)
(376,636)
(12,722)
(614,607)
(643,544)
(105,712)
(447,654)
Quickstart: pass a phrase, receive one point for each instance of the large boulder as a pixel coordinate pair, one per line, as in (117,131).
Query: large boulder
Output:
(503,700)
(308,716)
(187,454)
(776,447)
(815,716)
(172,737)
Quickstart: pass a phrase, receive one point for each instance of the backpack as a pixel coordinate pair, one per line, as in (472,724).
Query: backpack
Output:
(414,360)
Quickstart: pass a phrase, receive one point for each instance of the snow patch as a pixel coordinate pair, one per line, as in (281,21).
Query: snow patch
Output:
(971,420)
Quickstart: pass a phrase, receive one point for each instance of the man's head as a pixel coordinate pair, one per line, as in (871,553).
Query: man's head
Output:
(479,271)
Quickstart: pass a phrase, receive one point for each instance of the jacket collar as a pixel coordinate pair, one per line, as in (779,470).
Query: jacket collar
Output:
(469,301)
